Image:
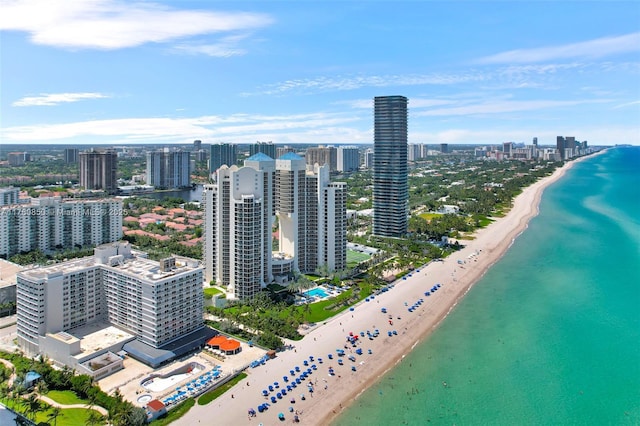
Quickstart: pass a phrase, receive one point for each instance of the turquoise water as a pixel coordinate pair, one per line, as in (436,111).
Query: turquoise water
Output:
(551,334)
(316,292)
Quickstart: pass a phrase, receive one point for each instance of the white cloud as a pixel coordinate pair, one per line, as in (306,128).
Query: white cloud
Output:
(628,104)
(113,24)
(224,48)
(49,99)
(596,48)
(501,106)
(339,83)
(522,76)
(239,128)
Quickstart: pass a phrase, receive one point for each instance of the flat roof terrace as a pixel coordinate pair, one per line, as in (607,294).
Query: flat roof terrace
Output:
(150,270)
(65,267)
(8,272)
(97,336)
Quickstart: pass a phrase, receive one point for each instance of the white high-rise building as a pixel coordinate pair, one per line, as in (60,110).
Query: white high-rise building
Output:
(50,223)
(348,158)
(368,158)
(237,237)
(239,209)
(169,169)
(154,302)
(414,152)
(332,221)
(9,196)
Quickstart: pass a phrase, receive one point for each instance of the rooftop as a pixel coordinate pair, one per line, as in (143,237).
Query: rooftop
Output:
(138,267)
(260,156)
(93,337)
(8,271)
(70,266)
(290,156)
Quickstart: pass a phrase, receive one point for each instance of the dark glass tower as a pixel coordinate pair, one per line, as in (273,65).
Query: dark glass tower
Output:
(390,184)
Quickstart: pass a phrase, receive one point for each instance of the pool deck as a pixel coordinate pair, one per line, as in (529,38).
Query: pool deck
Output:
(129,379)
(312,298)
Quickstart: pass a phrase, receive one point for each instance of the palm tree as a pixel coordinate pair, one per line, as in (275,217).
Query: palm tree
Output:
(4,389)
(33,406)
(94,418)
(41,388)
(22,420)
(14,396)
(54,414)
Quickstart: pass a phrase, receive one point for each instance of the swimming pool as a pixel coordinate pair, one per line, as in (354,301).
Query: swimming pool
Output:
(316,292)
(158,383)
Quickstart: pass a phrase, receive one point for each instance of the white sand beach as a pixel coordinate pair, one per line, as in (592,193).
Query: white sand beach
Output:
(334,393)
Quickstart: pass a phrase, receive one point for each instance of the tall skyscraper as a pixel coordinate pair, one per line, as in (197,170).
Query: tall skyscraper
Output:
(268,148)
(237,227)
(414,152)
(507,148)
(18,158)
(322,155)
(390,171)
(71,155)
(239,211)
(197,145)
(221,154)
(368,158)
(560,145)
(348,159)
(98,170)
(282,150)
(169,169)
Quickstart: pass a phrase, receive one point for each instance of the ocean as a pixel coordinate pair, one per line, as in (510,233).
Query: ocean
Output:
(551,334)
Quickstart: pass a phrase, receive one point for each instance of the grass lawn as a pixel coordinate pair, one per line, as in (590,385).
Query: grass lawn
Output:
(212,291)
(429,216)
(67,417)
(211,395)
(66,397)
(483,221)
(318,311)
(174,414)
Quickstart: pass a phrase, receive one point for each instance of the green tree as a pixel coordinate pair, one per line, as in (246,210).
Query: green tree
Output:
(54,414)
(94,419)
(33,405)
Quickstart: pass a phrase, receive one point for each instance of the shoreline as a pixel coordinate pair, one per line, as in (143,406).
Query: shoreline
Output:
(456,274)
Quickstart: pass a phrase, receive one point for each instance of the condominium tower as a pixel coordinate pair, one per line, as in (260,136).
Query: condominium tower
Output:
(9,195)
(50,223)
(154,302)
(221,154)
(322,155)
(98,170)
(239,216)
(390,172)
(268,148)
(168,169)
(348,159)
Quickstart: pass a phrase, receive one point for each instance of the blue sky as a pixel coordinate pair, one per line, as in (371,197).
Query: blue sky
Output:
(127,72)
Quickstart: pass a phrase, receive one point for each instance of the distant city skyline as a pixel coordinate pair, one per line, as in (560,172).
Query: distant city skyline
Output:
(126,73)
